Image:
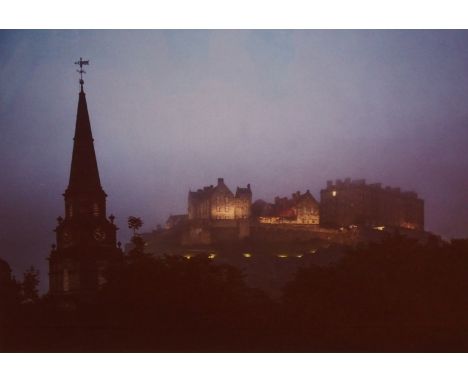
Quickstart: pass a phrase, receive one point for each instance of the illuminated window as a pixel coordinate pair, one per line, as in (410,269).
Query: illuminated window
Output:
(334,193)
(211,255)
(282,256)
(246,255)
(188,257)
(96,209)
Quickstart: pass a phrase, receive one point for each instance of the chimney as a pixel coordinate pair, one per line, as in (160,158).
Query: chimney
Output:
(220,181)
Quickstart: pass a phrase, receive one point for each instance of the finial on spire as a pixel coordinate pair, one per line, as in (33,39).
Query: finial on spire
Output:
(81,71)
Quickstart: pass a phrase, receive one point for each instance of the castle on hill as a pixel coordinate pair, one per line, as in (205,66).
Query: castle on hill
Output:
(215,214)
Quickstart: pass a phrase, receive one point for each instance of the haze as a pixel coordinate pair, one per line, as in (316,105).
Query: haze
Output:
(281,110)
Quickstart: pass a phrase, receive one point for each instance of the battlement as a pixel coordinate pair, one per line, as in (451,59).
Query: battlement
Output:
(349,183)
(355,202)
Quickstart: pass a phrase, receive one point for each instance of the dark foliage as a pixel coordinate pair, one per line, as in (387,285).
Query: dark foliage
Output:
(153,304)
(394,296)
(397,295)
(192,304)
(30,285)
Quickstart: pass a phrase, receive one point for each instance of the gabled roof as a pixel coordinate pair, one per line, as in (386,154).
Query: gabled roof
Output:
(243,191)
(306,196)
(203,193)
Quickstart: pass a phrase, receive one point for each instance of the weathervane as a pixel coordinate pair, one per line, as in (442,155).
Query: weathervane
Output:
(81,71)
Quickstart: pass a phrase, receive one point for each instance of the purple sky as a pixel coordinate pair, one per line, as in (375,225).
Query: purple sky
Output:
(282,110)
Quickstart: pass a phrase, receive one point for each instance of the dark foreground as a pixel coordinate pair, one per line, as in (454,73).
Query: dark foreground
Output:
(396,296)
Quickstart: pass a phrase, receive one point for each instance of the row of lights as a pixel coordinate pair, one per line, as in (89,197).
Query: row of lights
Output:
(210,256)
(249,255)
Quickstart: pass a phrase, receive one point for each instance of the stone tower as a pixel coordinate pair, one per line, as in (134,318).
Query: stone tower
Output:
(86,238)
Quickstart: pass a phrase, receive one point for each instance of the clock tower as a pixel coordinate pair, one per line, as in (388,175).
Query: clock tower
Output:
(86,238)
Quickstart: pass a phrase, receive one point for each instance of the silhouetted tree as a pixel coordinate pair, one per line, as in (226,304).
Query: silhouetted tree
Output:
(138,245)
(134,224)
(396,295)
(393,295)
(192,304)
(30,284)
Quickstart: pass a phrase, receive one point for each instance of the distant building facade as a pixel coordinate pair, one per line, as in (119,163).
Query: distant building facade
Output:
(175,220)
(299,209)
(354,202)
(219,203)
(215,214)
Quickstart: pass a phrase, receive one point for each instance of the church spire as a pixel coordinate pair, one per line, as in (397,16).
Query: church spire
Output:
(84,173)
(86,239)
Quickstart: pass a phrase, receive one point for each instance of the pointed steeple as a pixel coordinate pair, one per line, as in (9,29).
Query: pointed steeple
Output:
(86,239)
(84,173)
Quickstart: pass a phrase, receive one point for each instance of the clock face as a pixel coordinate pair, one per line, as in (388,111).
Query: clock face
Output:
(99,234)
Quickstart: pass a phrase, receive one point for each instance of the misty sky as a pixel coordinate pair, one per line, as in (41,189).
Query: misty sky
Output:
(282,110)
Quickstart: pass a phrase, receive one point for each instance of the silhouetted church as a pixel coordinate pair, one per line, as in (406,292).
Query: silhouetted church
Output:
(86,238)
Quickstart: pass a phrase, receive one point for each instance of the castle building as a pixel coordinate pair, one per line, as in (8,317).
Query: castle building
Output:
(219,203)
(216,214)
(299,209)
(346,203)
(218,218)
(85,237)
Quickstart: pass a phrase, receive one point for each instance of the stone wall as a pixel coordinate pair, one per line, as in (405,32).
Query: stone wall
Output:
(347,203)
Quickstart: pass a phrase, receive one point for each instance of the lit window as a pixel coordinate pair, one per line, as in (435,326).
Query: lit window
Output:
(247,255)
(96,209)
(211,255)
(282,256)
(334,193)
